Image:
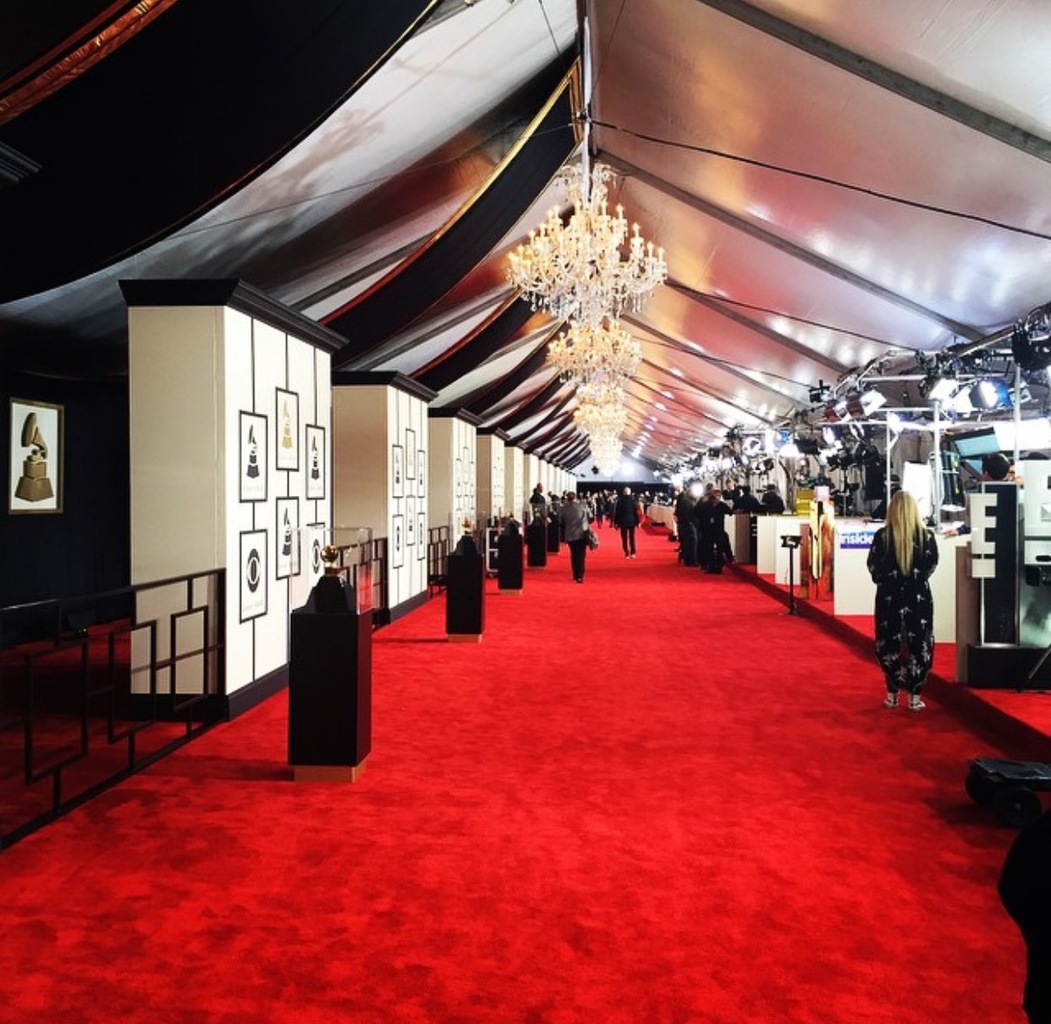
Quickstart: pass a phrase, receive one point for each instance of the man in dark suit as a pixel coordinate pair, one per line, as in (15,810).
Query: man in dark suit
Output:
(746,501)
(626,516)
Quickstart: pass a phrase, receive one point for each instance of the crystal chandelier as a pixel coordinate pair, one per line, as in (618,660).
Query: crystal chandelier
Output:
(606,450)
(587,268)
(609,417)
(585,353)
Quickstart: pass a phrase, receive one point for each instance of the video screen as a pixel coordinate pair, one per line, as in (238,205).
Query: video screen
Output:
(976,443)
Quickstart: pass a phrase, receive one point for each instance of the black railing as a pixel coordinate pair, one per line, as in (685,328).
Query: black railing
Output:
(437,557)
(94,688)
(364,566)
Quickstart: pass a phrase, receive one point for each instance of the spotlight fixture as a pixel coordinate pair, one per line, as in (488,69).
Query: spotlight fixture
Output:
(990,393)
(867,454)
(836,410)
(821,393)
(861,404)
(1031,340)
(936,387)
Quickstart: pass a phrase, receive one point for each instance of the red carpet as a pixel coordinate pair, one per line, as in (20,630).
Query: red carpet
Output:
(651,798)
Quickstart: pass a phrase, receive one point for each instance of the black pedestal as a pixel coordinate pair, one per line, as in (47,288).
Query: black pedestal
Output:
(509,570)
(1006,667)
(329,686)
(552,537)
(465,597)
(536,544)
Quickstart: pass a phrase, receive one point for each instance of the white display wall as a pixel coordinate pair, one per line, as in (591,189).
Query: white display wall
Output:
(531,474)
(230,455)
(381,473)
(491,474)
(454,473)
(514,479)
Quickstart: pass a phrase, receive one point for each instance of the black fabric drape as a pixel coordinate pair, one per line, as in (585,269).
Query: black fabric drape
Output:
(531,407)
(203,99)
(492,395)
(538,429)
(539,437)
(398,299)
(489,339)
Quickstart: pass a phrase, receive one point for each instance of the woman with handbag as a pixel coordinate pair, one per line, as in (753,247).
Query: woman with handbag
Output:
(573,518)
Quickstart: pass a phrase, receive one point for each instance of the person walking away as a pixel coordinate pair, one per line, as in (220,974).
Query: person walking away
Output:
(721,553)
(626,516)
(1025,891)
(703,514)
(686,525)
(573,518)
(901,560)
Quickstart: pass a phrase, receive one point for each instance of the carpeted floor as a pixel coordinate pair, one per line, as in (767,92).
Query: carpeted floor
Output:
(650,799)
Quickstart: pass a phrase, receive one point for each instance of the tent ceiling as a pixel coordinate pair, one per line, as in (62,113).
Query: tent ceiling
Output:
(843,190)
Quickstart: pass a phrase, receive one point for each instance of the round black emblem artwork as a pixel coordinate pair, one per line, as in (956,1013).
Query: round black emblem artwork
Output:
(252,574)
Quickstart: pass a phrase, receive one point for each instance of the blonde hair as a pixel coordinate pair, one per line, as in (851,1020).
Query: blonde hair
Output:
(905,526)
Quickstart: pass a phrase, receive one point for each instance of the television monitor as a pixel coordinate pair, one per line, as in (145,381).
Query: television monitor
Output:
(975,443)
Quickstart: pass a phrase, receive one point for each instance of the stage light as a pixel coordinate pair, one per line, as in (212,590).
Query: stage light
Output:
(990,393)
(873,400)
(937,388)
(861,404)
(1031,340)
(821,393)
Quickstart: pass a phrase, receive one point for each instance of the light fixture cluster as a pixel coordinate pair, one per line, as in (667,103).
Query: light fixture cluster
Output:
(584,354)
(960,394)
(858,404)
(588,270)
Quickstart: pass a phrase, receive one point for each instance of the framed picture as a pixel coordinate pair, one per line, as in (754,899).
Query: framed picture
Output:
(286,539)
(410,447)
(397,542)
(421,470)
(253,574)
(252,459)
(317,531)
(286,434)
(397,471)
(410,522)
(37,448)
(421,533)
(315,449)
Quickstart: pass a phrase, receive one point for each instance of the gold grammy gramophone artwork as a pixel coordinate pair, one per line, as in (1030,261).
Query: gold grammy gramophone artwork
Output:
(286,429)
(34,484)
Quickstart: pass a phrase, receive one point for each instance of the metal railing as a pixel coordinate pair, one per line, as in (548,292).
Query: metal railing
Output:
(437,557)
(94,688)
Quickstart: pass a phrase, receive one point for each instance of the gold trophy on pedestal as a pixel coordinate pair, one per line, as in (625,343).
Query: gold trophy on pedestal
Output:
(34,484)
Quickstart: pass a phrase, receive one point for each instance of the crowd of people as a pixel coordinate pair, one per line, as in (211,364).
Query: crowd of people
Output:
(700,520)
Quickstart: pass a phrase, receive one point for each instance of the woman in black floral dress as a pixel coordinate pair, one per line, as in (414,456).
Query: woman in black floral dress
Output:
(902,557)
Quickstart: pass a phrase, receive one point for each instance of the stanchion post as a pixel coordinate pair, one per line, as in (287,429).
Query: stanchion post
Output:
(791,541)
